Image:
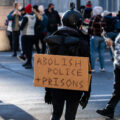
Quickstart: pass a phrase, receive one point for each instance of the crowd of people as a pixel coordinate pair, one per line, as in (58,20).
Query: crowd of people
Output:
(85,33)
(22,27)
(29,26)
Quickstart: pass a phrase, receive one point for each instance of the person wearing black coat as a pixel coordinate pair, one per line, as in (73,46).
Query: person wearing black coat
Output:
(53,19)
(68,41)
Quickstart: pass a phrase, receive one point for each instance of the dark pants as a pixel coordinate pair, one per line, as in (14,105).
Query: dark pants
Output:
(43,35)
(116,94)
(37,38)
(58,101)
(15,40)
(40,38)
(27,43)
(9,34)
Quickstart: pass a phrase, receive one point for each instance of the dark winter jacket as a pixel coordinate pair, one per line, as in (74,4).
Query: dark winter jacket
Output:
(88,13)
(11,17)
(53,20)
(69,42)
(41,26)
(110,23)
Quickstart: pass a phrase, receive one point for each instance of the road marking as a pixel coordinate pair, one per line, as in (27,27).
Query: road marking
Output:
(103,95)
(99,100)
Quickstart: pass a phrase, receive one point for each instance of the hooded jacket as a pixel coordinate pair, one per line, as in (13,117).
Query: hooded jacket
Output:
(70,42)
(53,20)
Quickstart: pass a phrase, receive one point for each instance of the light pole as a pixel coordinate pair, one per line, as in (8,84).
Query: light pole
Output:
(23,3)
(107,7)
(78,4)
(30,1)
(118,3)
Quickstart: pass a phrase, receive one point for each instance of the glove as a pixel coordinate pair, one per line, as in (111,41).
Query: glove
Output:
(48,98)
(84,100)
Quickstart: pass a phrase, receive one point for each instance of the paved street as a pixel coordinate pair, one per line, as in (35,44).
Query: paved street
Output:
(20,100)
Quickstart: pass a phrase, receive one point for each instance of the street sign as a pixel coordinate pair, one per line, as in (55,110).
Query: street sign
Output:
(62,72)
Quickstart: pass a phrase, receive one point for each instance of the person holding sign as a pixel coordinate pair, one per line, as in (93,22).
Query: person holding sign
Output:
(68,41)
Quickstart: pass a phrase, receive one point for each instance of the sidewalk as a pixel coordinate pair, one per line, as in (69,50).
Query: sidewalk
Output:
(20,100)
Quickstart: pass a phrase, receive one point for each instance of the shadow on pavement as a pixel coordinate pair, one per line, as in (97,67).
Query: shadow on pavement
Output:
(110,119)
(12,112)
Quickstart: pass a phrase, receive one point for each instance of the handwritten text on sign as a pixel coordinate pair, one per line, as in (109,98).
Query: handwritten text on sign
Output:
(62,72)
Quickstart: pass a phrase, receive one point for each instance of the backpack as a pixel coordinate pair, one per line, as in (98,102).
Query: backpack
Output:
(117,24)
(68,42)
(110,23)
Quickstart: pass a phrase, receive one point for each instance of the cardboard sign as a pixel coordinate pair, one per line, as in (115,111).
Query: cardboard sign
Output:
(62,72)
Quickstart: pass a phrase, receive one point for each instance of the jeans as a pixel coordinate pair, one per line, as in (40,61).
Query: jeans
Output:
(97,44)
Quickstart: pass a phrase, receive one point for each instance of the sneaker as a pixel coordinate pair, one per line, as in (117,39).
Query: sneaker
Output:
(28,66)
(102,70)
(14,55)
(112,59)
(92,70)
(25,64)
(106,112)
(21,58)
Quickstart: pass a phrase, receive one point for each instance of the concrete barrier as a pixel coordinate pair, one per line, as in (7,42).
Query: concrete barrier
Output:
(4,42)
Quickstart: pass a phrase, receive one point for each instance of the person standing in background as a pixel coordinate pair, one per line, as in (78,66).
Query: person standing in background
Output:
(40,27)
(44,31)
(28,34)
(15,17)
(22,56)
(53,19)
(97,42)
(88,10)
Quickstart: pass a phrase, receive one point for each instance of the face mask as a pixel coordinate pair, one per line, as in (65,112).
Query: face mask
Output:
(52,9)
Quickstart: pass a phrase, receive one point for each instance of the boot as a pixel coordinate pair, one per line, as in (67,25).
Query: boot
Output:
(25,64)
(14,54)
(21,58)
(108,112)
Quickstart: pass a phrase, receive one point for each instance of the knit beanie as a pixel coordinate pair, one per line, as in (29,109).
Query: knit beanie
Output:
(97,10)
(41,9)
(88,4)
(28,9)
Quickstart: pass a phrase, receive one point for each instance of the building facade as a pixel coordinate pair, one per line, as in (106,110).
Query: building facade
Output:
(63,5)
